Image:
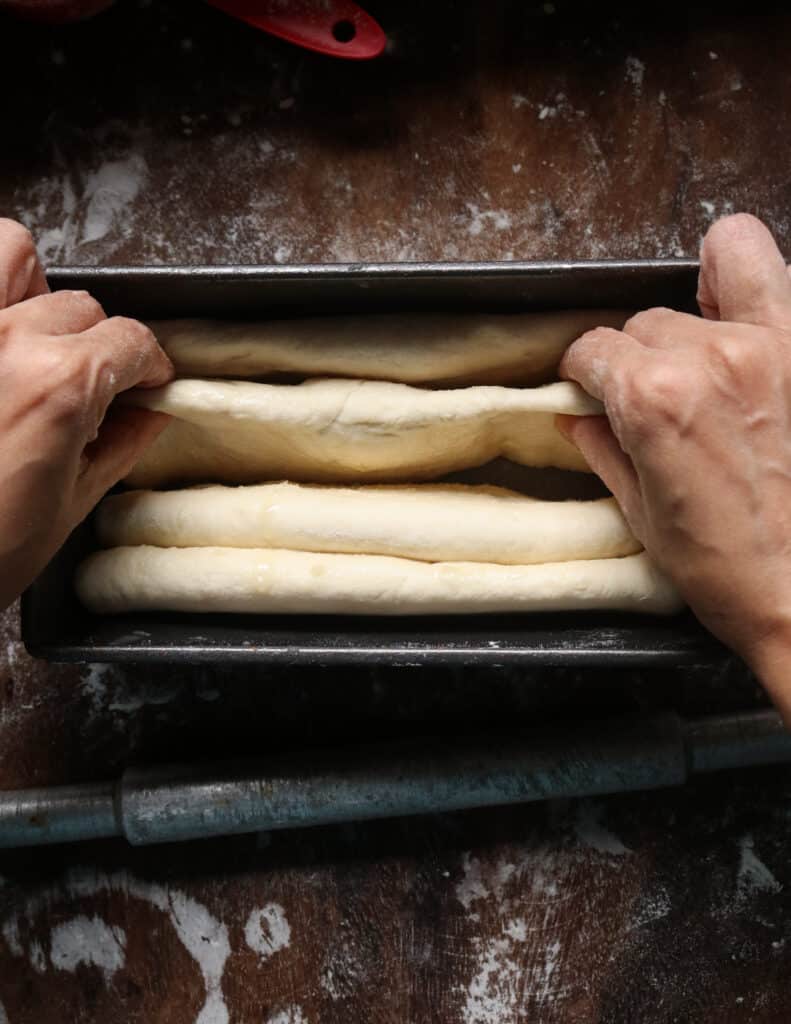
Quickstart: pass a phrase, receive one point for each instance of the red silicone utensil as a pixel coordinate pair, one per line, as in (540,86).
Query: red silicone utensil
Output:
(338,28)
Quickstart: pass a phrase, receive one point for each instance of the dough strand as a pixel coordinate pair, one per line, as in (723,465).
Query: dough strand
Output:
(411,348)
(342,431)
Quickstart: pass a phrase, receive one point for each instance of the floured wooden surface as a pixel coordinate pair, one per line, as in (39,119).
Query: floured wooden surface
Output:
(567,138)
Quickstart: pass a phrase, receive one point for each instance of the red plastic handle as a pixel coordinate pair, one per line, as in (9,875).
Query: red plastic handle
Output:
(338,28)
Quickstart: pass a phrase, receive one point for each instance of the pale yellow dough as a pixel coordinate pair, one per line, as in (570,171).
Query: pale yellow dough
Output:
(431,522)
(267,581)
(327,431)
(413,348)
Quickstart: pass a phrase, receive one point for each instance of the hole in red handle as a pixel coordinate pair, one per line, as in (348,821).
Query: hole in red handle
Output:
(344,31)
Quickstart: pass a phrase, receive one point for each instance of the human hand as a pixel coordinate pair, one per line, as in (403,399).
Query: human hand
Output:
(696,446)
(61,364)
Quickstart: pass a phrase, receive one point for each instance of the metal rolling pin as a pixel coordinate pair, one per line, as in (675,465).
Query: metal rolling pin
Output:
(175,802)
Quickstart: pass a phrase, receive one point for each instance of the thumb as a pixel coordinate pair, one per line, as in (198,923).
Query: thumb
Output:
(601,450)
(743,277)
(124,435)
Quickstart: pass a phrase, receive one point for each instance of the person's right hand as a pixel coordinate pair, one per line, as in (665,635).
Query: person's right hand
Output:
(696,446)
(62,362)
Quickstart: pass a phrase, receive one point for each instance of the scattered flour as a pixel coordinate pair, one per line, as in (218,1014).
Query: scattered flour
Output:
(591,833)
(108,689)
(500,220)
(342,973)
(493,996)
(473,887)
(291,1015)
(502,991)
(651,907)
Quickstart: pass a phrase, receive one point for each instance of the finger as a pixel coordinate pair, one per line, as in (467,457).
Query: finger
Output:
(596,360)
(599,446)
(667,329)
(743,277)
(130,355)
(123,437)
(58,313)
(21,275)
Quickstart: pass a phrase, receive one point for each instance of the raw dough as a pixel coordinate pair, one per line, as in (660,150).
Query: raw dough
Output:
(271,581)
(328,431)
(414,348)
(431,522)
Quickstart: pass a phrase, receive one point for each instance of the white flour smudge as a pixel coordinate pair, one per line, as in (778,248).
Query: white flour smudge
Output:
(267,931)
(94,685)
(716,209)
(109,191)
(479,219)
(516,929)
(635,73)
(11,935)
(473,887)
(88,940)
(38,958)
(753,875)
(203,936)
(108,689)
(102,206)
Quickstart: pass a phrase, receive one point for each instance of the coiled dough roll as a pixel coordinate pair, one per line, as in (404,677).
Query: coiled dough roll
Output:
(268,581)
(430,522)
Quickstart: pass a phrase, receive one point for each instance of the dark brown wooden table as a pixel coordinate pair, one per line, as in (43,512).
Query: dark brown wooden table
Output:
(165,133)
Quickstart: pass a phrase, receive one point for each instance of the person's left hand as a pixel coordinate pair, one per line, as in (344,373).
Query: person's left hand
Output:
(62,362)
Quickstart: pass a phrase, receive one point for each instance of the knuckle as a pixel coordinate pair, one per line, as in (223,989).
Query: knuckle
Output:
(647,321)
(132,331)
(86,303)
(127,351)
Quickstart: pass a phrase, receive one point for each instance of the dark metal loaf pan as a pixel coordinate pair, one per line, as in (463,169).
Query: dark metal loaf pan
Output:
(54,625)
